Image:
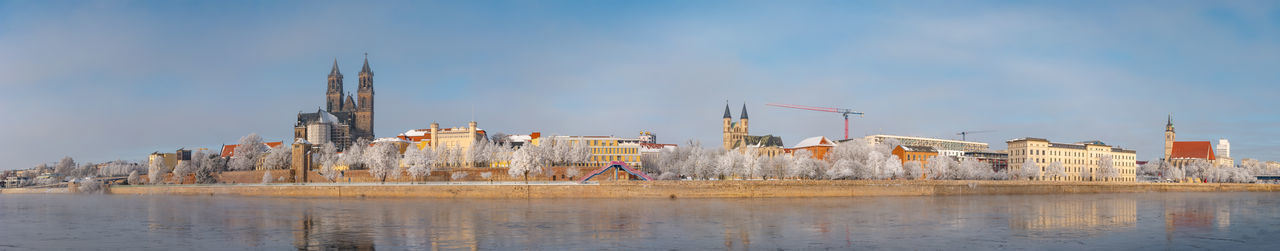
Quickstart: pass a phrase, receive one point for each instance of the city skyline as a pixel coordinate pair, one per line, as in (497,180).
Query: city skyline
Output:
(116,80)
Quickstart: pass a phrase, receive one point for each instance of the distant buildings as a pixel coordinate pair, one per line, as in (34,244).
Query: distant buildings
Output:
(938,144)
(1079,160)
(919,154)
(606,149)
(455,138)
(818,146)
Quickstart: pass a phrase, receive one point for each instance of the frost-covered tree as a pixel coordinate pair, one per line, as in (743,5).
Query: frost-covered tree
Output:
(383,161)
(266,177)
(353,156)
(912,170)
(278,157)
(134,178)
(579,152)
(156,170)
(486,175)
(1197,169)
(458,175)
(841,169)
(1151,168)
(751,165)
(183,169)
(726,164)
(803,165)
(90,185)
(65,166)
(1029,170)
(1107,168)
(572,172)
(972,169)
(329,162)
(247,153)
(420,162)
(525,161)
(1055,171)
(1174,173)
(940,168)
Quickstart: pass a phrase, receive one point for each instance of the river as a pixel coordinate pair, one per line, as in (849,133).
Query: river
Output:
(1229,221)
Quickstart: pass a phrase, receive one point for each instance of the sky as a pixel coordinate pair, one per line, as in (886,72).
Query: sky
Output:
(107,80)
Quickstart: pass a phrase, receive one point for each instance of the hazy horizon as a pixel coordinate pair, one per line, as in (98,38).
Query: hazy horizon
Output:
(107,80)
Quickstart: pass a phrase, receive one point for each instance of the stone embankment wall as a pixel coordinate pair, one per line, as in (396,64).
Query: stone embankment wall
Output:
(357,176)
(689,189)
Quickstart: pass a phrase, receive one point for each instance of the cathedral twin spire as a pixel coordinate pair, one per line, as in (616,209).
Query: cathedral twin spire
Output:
(337,101)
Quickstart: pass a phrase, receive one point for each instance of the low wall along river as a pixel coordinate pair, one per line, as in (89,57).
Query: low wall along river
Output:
(671,189)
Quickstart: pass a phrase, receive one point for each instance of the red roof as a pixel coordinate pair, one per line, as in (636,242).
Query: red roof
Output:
(1192,150)
(230,150)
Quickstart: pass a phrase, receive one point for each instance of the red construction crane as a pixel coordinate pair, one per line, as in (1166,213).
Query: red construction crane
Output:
(841,111)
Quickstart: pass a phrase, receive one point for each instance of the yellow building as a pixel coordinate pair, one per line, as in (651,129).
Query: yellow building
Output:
(456,138)
(1078,159)
(606,149)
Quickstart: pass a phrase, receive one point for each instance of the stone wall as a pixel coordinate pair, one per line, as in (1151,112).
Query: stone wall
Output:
(691,189)
(362,176)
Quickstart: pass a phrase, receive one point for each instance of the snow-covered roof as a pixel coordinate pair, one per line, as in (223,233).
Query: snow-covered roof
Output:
(301,141)
(389,139)
(417,132)
(815,141)
(326,117)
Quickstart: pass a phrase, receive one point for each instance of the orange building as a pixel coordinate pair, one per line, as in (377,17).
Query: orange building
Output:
(915,153)
(819,146)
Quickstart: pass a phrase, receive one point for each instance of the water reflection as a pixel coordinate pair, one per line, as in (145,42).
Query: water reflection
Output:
(1074,216)
(1092,221)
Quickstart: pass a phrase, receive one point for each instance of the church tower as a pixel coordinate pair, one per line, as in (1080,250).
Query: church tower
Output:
(364,110)
(1168,138)
(734,132)
(333,97)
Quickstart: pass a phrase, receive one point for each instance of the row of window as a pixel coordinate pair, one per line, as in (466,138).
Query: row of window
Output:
(615,158)
(615,151)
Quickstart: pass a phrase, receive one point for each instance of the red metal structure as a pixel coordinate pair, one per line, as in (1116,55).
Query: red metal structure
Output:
(841,111)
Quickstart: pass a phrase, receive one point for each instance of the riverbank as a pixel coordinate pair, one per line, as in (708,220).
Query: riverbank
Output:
(673,189)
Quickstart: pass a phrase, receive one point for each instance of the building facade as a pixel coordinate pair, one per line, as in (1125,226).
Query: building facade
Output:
(605,149)
(939,144)
(343,120)
(818,146)
(1183,153)
(1080,161)
(919,154)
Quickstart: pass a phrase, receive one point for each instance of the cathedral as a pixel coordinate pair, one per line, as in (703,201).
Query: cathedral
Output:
(342,120)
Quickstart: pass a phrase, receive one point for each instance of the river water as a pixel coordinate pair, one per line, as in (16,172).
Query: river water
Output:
(1229,221)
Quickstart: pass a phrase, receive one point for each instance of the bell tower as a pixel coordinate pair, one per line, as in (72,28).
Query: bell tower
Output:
(727,130)
(333,97)
(1168,138)
(364,110)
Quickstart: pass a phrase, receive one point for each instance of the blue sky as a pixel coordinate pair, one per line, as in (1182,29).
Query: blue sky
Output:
(109,80)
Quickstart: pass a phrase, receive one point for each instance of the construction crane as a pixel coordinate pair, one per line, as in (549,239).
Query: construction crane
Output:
(841,111)
(963,135)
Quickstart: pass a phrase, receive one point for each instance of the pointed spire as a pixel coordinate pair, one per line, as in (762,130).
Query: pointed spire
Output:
(727,115)
(366,64)
(335,68)
(1170,120)
(744,111)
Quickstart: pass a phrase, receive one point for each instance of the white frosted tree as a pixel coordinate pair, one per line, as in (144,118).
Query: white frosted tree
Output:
(266,177)
(420,162)
(1029,170)
(353,156)
(1151,168)
(892,167)
(487,175)
(183,169)
(726,164)
(841,169)
(941,168)
(751,165)
(65,166)
(156,170)
(803,165)
(1107,168)
(1197,169)
(580,152)
(524,161)
(458,175)
(383,161)
(972,169)
(247,153)
(572,172)
(134,178)
(1055,171)
(329,162)
(278,157)
(912,170)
